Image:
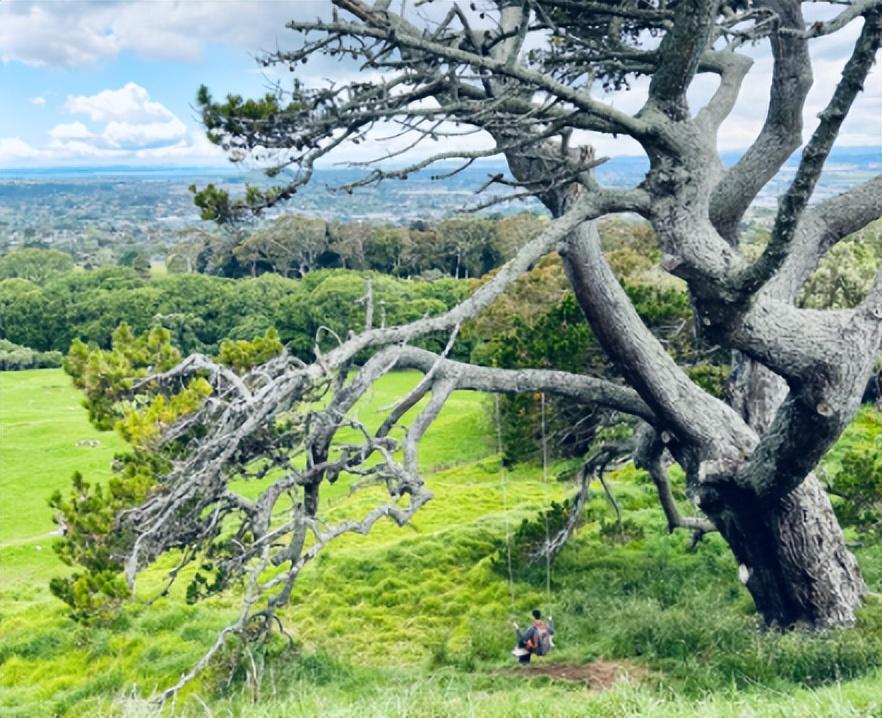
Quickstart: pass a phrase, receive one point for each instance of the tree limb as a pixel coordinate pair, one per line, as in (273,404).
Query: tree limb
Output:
(854,9)
(823,225)
(582,100)
(781,132)
(796,198)
(515,381)
(680,53)
(673,397)
(649,457)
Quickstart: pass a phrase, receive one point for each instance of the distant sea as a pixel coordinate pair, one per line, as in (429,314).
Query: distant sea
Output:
(421,195)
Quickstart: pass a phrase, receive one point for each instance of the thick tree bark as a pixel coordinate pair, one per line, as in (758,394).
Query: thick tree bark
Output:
(755,392)
(796,564)
(792,555)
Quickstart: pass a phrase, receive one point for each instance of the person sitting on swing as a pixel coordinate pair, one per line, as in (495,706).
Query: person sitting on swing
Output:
(536,640)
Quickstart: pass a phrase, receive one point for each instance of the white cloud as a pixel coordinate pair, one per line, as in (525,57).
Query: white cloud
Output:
(82,34)
(68,150)
(127,134)
(70,131)
(194,146)
(38,101)
(130,103)
(124,124)
(132,120)
(15,149)
(51,35)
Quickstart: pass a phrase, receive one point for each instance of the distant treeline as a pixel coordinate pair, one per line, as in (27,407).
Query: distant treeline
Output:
(293,246)
(200,311)
(47,300)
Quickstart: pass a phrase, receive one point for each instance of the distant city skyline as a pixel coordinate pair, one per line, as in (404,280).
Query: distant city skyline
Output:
(114,83)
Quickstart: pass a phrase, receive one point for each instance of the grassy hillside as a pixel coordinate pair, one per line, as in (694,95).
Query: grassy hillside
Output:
(44,438)
(416,621)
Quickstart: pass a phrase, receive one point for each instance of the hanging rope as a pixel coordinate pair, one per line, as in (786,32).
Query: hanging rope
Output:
(503,482)
(545,500)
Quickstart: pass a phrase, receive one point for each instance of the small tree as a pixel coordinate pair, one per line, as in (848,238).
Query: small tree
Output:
(184,255)
(468,244)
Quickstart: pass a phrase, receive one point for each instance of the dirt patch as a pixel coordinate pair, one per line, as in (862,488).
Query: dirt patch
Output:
(597,675)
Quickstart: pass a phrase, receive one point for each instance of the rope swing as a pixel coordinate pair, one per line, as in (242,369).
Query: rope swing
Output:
(503,484)
(538,639)
(547,548)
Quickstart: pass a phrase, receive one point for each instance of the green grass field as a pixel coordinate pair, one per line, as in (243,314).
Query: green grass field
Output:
(44,438)
(415,621)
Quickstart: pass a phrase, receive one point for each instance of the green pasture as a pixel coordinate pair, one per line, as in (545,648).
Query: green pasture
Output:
(415,621)
(44,438)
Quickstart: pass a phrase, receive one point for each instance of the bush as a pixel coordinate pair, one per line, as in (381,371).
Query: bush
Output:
(853,471)
(14,357)
(529,538)
(35,265)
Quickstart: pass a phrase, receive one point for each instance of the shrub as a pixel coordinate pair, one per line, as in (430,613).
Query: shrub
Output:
(14,357)
(853,471)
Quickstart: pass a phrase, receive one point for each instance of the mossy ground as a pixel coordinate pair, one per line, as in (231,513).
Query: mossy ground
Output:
(416,621)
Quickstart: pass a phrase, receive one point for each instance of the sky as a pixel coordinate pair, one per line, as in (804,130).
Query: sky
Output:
(114,83)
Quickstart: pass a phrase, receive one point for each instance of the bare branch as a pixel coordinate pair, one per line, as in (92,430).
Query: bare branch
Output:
(511,381)
(815,154)
(680,52)
(732,68)
(251,597)
(820,228)
(854,9)
(419,391)
(649,456)
(583,101)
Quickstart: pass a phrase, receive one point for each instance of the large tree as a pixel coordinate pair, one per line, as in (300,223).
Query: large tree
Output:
(290,246)
(527,73)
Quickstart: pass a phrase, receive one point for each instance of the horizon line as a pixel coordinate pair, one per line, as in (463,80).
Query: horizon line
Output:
(232,167)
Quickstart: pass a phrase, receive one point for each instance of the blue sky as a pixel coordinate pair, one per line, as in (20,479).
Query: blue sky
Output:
(170,82)
(114,82)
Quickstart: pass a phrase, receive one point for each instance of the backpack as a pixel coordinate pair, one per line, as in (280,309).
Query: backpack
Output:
(541,642)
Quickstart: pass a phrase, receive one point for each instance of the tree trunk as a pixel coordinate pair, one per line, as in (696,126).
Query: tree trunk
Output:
(792,555)
(796,564)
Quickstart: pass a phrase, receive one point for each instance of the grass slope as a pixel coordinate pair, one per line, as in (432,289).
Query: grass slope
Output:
(416,621)
(44,438)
